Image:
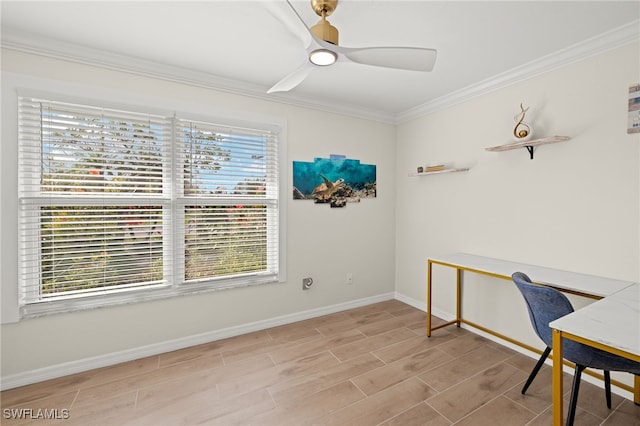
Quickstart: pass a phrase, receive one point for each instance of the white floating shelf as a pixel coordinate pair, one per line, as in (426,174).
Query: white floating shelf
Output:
(439,172)
(530,144)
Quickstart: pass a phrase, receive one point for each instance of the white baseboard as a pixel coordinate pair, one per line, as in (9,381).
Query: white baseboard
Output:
(73,367)
(423,306)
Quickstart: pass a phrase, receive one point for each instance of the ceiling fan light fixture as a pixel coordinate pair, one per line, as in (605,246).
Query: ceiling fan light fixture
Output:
(323,57)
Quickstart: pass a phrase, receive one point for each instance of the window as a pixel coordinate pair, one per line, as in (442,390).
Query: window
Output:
(227,201)
(118,205)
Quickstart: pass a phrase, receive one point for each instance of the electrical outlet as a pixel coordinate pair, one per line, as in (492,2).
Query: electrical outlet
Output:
(349,279)
(306,283)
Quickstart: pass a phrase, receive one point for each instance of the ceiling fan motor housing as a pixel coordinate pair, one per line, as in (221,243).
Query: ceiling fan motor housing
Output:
(323,29)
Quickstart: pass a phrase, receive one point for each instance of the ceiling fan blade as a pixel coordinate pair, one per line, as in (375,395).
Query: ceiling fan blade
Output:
(405,58)
(292,22)
(293,79)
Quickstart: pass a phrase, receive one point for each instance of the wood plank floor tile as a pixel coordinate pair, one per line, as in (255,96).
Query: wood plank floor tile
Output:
(354,349)
(266,377)
(200,410)
(159,375)
(314,346)
(391,305)
(583,418)
(411,346)
(465,397)
(466,342)
(293,332)
(355,322)
(189,354)
(326,320)
(500,411)
(242,341)
(380,407)
(418,415)
(239,410)
(305,410)
(113,410)
(261,348)
(411,315)
(387,305)
(406,310)
(592,398)
(168,392)
(626,414)
(379,327)
(459,369)
(301,387)
(73,382)
(538,397)
(400,370)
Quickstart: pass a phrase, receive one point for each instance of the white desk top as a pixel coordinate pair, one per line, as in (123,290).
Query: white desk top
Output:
(586,284)
(613,321)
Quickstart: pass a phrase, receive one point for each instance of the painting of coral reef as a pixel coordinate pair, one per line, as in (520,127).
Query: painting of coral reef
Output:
(336,180)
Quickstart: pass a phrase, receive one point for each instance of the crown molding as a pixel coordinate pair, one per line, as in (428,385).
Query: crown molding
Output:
(609,40)
(28,43)
(56,49)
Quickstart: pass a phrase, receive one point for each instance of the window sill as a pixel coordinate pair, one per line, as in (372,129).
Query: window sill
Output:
(44,308)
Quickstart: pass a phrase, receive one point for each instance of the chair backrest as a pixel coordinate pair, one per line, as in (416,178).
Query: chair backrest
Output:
(545,304)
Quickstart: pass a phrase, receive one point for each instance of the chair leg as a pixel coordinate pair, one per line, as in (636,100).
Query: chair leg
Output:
(607,388)
(537,368)
(574,394)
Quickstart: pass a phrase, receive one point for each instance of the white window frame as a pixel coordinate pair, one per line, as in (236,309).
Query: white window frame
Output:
(75,93)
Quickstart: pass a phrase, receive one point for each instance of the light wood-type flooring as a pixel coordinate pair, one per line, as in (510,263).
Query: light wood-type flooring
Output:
(372,365)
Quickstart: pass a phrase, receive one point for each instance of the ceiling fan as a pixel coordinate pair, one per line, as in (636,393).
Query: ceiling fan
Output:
(321,45)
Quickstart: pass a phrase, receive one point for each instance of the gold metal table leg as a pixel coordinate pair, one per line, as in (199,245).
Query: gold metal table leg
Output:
(429,298)
(458,296)
(557,377)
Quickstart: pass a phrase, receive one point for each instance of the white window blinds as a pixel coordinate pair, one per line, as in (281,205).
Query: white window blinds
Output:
(68,150)
(94,198)
(114,201)
(228,201)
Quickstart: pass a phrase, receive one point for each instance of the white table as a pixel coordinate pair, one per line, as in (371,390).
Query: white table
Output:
(611,324)
(572,282)
(568,282)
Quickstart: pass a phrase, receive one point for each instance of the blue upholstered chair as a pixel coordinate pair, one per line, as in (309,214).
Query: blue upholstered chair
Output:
(546,304)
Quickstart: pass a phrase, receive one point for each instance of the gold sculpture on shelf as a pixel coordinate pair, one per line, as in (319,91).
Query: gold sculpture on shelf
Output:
(523,130)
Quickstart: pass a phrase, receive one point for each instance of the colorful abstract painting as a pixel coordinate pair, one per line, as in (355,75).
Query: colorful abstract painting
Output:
(336,180)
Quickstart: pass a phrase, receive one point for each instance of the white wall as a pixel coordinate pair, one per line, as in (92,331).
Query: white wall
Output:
(575,206)
(323,243)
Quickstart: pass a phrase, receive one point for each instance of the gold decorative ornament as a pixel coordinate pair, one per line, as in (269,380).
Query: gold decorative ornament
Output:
(522,131)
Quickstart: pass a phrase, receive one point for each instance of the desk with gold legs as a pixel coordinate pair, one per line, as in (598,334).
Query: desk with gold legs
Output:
(569,282)
(611,324)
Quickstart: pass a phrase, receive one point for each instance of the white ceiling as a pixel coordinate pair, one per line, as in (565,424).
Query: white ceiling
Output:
(245,46)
